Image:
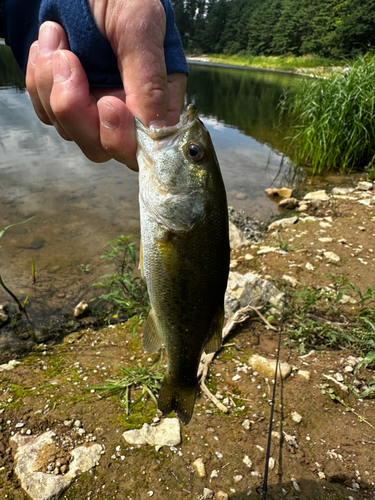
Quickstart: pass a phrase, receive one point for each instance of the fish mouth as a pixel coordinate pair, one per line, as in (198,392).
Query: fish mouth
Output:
(158,132)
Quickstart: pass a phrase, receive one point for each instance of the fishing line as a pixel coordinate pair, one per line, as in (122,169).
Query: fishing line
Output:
(263,492)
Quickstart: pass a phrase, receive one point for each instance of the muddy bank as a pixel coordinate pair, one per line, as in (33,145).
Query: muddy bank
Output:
(326,452)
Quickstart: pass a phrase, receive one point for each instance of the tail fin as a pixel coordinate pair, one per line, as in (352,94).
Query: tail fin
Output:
(177,397)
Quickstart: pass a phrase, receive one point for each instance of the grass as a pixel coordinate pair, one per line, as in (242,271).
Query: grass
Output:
(141,377)
(333,120)
(276,63)
(315,319)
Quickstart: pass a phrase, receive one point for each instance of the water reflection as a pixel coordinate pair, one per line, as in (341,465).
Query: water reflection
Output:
(78,206)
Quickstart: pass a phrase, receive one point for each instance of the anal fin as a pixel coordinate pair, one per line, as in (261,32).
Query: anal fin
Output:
(151,340)
(214,341)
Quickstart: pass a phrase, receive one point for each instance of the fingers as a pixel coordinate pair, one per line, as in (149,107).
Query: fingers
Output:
(39,78)
(137,37)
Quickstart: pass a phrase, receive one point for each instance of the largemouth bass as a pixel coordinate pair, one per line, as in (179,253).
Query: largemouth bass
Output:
(185,251)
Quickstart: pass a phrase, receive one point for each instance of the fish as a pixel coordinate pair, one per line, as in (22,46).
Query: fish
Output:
(184,251)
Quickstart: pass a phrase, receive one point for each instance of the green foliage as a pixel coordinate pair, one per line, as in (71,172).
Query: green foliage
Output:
(147,380)
(334,119)
(314,319)
(329,28)
(126,291)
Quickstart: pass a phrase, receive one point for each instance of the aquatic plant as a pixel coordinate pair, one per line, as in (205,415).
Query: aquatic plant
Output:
(126,290)
(334,126)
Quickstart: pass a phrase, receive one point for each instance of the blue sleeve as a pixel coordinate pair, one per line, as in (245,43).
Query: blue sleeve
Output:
(22,18)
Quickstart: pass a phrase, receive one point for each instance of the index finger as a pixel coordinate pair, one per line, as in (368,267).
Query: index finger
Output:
(138,42)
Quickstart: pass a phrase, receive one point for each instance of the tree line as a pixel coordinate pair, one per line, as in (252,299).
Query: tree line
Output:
(327,28)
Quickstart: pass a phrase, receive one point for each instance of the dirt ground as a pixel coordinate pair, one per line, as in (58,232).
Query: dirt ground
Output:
(333,456)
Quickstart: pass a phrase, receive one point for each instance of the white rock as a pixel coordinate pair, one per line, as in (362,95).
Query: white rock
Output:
(246,424)
(266,367)
(271,463)
(290,280)
(264,250)
(339,377)
(343,191)
(167,433)
(302,207)
(244,289)
(199,467)
(255,473)
(295,484)
(304,374)
(9,366)
(237,478)
(296,417)
(331,256)
(282,223)
(207,493)
(346,299)
(283,192)
(221,495)
(81,310)
(236,236)
(246,460)
(326,240)
(214,473)
(40,485)
(317,195)
(364,186)
(348,369)
(309,266)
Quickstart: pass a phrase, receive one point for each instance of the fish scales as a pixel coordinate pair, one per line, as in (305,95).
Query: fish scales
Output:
(185,251)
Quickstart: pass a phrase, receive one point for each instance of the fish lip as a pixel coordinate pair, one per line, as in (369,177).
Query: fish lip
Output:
(157,132)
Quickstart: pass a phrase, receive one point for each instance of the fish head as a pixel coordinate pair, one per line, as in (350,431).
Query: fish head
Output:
(178,170)
(179,157)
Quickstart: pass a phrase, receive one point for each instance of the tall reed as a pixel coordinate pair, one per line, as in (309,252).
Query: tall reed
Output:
(334,127)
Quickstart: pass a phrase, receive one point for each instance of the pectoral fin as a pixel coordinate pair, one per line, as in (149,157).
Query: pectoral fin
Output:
(151,340)
(214,341)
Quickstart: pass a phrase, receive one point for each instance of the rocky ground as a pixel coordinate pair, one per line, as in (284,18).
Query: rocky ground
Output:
(322,448)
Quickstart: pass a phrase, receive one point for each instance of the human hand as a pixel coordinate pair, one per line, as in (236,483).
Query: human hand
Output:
(101,121)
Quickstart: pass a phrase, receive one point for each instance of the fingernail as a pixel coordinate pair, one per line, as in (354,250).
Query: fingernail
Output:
(33,53)
(49,39)
(61,67)
(108,116)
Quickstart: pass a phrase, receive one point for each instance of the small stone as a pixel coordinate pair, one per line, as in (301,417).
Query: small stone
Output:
(150,493)
(19,425)
(364,186)
(81,310)
(295,484)
(255,473)
(326,240)
(348,369)
(246,424)
(219,455)
(271,463)
(289,203)
(331,256)
(214,473)
(221,495)
(266,367)
(264,250)
(199,467)
(309,266)
(236,377)
(246,460)
(282,192)
(68,423)
(167,433)
(237,478)
(248,256)
(290,280)
(304,374)
(296,417)
(77,423)
(339,377)
(207,493)
(317,195)
(302,207)
(282,223)
(276,435)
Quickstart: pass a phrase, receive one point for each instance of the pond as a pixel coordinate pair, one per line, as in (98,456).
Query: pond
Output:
(78,206)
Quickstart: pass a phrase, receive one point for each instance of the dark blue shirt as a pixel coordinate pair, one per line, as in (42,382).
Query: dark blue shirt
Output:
(20,21)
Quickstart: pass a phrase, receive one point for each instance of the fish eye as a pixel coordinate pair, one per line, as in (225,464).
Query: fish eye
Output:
(194,151)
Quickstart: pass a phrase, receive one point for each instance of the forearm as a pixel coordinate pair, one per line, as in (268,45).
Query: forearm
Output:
(22,18)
